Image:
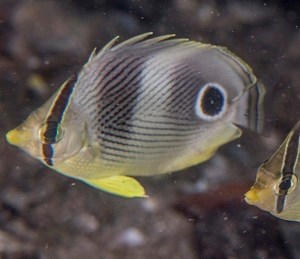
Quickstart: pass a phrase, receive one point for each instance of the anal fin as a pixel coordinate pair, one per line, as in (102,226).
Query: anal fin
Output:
(119,185)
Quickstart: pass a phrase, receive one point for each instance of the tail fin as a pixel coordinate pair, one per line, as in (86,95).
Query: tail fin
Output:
(251,113)
(256,111)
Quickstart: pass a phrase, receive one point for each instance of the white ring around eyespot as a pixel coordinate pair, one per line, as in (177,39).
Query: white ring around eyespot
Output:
(198,106)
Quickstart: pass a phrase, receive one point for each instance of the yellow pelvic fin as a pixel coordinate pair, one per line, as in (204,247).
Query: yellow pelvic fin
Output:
(120,185)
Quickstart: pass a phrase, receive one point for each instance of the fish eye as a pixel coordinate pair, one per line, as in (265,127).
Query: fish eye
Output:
(211,102)
(50,132)
(285,186)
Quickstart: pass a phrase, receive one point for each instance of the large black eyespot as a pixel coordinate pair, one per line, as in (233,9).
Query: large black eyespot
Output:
(211,101)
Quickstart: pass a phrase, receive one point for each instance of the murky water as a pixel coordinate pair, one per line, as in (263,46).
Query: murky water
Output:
(198,213)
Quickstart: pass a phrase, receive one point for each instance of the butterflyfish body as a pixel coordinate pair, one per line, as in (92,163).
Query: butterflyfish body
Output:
(141,108)
(276,188)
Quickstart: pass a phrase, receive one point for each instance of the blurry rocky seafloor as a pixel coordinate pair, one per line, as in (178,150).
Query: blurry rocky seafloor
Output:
(199,213)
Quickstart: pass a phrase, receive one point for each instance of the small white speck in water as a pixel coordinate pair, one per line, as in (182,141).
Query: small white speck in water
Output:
(132,237)
(149,205)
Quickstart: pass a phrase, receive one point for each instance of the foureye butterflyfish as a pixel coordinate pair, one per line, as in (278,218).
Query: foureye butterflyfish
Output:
(140,108)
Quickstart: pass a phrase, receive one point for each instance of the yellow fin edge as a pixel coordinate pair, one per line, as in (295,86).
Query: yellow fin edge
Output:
(120,185)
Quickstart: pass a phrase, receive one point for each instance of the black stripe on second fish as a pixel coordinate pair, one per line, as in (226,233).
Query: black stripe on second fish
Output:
(55,117)
(280,203)
(291,153)
(290,161)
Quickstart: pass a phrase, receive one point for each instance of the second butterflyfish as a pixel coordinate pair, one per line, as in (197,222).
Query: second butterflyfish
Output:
(276,188)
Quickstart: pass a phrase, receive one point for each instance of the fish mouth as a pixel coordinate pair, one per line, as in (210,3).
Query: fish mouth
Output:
(15,137)
(18,137)
(251,196)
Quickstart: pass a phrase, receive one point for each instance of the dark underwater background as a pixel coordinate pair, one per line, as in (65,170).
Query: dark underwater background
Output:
(198,213)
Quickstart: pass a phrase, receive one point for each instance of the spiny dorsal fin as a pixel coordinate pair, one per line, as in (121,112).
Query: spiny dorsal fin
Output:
(166,38)
(107,47)
(133,40)
(137,39)
(93,55)
(140,39)
(158,39)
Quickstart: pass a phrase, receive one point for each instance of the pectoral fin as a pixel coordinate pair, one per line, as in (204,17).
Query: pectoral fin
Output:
(120,185)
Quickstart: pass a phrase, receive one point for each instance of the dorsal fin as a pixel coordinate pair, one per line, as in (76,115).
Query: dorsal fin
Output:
(167,39)
(137,39)
(107,47)
(92,55)
(162,38)
(140,39)
(133,40)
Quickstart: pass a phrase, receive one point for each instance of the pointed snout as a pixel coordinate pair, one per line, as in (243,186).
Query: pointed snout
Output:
(16,137)
(252,196)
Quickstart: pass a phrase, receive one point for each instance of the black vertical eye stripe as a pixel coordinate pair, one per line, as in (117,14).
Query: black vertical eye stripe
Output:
(54,118)
(48,153)
(289,165)
(280,203)
(50,132)
(285,184)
